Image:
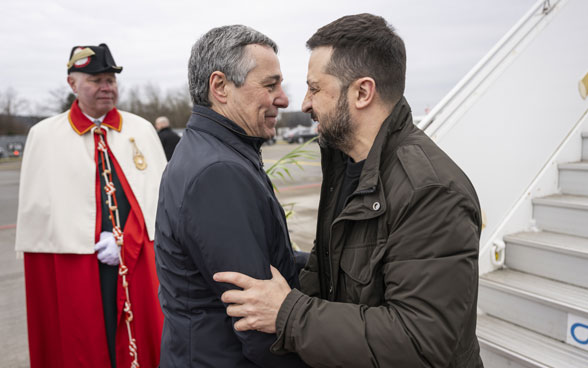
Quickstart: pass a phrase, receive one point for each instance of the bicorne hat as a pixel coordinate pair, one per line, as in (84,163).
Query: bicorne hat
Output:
(92,60)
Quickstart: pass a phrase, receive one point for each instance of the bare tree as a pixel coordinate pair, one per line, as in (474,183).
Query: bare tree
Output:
(10,106)
(179,106)
(10,103)
(149,102)
(60,100)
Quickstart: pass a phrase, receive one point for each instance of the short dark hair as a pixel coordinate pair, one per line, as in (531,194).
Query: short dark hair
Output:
(365,45)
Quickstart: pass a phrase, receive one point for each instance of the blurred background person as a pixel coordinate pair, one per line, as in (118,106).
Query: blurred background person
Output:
(169,138)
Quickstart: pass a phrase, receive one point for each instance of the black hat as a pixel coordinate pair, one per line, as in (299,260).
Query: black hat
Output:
(92,60)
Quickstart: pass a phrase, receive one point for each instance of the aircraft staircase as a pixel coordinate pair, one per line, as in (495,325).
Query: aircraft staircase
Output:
(536,307)
(517,124)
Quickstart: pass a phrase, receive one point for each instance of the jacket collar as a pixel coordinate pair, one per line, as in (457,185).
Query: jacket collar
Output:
(397,120)
(81,124)
(208,120)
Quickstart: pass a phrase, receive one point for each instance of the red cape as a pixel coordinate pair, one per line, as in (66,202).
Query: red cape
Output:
(64,305)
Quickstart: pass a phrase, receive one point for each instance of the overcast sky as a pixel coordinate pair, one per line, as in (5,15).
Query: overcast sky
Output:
(152,39)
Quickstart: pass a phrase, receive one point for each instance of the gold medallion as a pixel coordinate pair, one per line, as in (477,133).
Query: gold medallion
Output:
(138,157)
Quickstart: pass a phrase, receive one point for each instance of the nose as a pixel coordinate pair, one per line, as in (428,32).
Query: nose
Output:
(307,104)
(281,100)
(106,85)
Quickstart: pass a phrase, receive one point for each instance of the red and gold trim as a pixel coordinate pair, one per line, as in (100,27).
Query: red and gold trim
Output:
(82,125)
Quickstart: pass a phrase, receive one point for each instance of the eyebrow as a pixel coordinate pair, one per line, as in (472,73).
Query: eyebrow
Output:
(273,78)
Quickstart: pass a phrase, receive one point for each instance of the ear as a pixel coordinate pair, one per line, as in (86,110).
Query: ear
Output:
(218,87)
(72,83)
(364,92)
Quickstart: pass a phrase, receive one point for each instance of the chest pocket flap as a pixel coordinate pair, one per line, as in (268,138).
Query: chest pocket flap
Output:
(359,263)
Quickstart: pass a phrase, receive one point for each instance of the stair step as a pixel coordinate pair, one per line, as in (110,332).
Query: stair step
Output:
(539,304)
(573,178)
(503,344)
(556,256)
(562,213)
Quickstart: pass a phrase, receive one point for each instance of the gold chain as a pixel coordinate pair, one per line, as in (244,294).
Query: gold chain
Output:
(118,237)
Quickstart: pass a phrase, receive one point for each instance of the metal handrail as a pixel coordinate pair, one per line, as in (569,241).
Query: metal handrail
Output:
(545,7)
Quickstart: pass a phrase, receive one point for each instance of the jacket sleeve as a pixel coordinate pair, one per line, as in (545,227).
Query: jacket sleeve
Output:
(429,275)
(228,225)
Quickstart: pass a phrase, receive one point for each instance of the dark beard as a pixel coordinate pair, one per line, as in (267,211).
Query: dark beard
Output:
(338,131)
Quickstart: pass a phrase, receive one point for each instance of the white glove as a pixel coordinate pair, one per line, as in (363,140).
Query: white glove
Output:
(108,250)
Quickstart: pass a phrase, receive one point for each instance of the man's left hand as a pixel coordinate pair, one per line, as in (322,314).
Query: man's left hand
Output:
(107,249)
(259,301)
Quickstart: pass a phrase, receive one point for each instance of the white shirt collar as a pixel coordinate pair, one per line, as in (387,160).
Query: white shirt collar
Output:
(100,119)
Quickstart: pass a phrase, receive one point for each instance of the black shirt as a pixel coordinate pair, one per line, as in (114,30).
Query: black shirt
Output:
(350,181)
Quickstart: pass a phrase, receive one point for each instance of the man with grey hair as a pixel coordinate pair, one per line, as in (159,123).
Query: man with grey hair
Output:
(217,209)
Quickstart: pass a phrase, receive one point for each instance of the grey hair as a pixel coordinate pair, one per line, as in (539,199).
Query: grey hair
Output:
(222,49)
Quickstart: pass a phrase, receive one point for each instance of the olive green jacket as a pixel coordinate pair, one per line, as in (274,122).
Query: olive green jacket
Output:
(393,280)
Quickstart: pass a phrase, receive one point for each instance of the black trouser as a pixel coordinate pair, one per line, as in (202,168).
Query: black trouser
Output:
(108,286)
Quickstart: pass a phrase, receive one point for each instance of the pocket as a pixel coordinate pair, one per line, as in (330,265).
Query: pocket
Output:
(355,263)
(360,280)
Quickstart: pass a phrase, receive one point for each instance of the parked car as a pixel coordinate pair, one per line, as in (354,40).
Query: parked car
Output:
(15,149)
(300,134)
(179,131)
(270,142)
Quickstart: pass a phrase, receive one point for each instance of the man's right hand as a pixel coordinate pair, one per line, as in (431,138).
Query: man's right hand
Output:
(108,250)
(259,301)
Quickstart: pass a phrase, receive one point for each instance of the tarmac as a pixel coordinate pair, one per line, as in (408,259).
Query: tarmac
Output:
(13,326)
(302,191)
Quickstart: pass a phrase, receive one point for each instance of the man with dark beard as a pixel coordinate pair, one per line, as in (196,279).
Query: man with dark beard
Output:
(393,278)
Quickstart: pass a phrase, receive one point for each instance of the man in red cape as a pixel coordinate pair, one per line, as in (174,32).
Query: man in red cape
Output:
(87,201)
